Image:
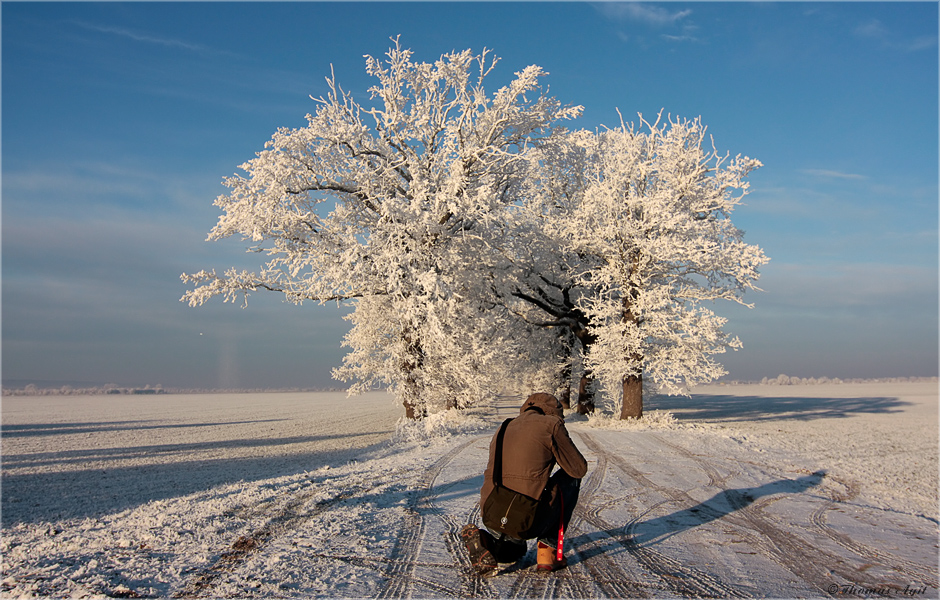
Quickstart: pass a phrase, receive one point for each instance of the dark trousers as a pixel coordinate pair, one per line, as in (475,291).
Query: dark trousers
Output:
(556,505)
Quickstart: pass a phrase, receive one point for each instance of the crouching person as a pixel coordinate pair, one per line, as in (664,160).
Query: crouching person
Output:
(521,499)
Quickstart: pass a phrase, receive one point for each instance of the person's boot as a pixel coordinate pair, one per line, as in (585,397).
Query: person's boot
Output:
(548,560)
(480,557)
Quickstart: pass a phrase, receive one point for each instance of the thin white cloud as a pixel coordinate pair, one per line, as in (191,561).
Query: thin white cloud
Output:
(833,174)
(142,37)
(680,38)
(638,11)
(872,29)
(919,43)
(876,30)
(149,38)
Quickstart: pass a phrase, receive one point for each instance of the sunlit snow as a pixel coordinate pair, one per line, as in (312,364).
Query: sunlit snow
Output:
(768,491)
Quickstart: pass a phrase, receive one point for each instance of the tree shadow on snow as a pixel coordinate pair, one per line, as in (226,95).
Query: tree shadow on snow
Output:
(52,495)
(66,457)
(645,533)
(702,407)
(39,429)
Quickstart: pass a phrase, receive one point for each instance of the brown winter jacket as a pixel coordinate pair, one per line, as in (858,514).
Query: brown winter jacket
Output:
(532,445)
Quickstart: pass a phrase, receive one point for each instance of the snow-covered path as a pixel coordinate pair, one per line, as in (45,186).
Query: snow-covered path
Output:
(667,510)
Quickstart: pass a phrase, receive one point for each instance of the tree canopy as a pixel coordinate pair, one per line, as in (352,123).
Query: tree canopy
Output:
(482,242)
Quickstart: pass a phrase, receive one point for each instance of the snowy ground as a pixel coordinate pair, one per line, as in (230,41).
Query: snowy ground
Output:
(763,491)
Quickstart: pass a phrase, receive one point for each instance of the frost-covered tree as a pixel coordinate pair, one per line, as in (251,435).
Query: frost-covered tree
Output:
(483,244)
(386,206)
(647,213)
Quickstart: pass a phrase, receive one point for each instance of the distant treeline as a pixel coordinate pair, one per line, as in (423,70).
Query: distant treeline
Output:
(788,380)
(67,390)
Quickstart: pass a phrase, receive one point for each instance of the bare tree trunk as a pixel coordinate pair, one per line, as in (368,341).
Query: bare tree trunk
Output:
(632,397)
(412,390)
(632,401)
(564,395)
(409,410)
(412,412)
(585,394)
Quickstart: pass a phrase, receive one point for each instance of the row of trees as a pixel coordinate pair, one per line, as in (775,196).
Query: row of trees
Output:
(482,242)
(66,390)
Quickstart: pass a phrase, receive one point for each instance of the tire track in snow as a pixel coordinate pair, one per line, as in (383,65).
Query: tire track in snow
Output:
(807,561)
(811,564)
(901,565)
(610,576)
(471,585)
(404,554)
(682,580)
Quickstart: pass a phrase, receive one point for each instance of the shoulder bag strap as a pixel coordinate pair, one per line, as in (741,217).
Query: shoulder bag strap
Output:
(498,461)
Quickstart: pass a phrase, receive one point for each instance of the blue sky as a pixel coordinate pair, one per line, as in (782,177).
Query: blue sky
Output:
(120,121)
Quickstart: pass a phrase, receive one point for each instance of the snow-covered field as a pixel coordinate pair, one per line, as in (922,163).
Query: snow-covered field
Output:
(744,491)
